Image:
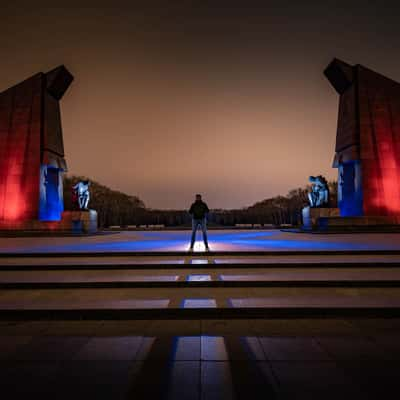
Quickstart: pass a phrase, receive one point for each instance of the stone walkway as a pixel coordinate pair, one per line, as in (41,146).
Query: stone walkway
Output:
(151,327)
(220,240)
(200,359)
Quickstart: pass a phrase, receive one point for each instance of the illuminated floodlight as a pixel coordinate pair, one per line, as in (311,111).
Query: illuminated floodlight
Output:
(198,278)
(199,247)
(199,303)
(199,261)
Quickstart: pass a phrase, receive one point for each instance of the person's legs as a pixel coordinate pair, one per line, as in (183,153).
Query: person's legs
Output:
(204,229)
(195,224)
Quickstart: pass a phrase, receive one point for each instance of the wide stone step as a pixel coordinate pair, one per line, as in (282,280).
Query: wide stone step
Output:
(199,286)
(206,278)
(198,303)
(27,263)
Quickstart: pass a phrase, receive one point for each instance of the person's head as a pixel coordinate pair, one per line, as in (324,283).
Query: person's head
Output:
(198,197)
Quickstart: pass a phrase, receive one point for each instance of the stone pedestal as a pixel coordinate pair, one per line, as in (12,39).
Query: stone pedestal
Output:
(313,217)
(82,221)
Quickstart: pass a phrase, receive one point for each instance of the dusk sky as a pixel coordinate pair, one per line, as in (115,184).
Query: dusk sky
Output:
(205,96)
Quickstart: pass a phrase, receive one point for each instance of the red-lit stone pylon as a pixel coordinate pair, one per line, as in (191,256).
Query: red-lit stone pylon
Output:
(31,150)
(368,140)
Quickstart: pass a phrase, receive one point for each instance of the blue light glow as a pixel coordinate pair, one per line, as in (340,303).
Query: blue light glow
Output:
(148,241)
(350,197)
(51,204)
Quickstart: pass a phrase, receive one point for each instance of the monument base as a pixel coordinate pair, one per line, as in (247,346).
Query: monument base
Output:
(312,216)
(363,223)
(329,219)
(82,221)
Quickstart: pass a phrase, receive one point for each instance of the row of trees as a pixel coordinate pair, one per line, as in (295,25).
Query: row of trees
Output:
(113,207)
(277,210)
(117,208)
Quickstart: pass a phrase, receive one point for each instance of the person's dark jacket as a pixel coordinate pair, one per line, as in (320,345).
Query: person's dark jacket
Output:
(198,209)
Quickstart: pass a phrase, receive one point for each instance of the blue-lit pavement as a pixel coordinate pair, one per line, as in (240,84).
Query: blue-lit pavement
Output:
(220,241)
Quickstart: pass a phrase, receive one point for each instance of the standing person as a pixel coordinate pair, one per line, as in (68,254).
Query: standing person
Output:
(198,211)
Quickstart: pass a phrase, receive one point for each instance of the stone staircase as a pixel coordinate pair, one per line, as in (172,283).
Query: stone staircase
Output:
(182,286)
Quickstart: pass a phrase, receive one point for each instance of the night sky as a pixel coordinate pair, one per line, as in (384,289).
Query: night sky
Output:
(205,96)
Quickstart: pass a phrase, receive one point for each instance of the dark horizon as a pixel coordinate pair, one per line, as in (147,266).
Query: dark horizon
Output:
(224,100)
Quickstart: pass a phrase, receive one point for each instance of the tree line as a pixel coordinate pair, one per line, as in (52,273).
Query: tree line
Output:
(115,208)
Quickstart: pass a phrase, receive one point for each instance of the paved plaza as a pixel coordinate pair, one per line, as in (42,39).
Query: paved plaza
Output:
(264,315)
(220,241)
(200,359)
